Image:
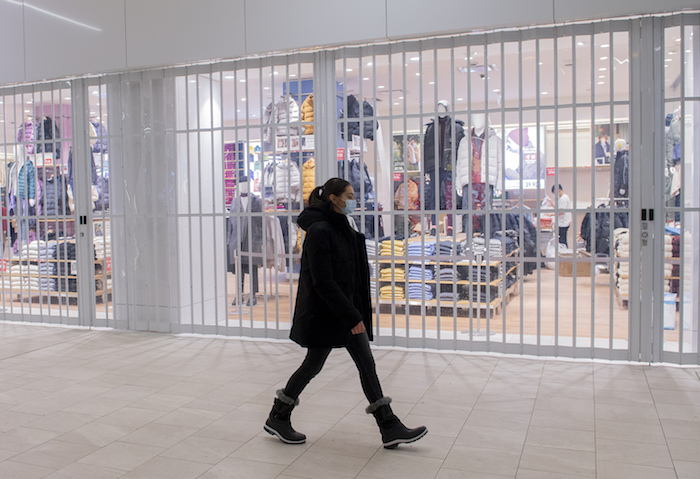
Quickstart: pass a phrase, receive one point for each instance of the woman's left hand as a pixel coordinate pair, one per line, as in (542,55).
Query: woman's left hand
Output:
(359,328)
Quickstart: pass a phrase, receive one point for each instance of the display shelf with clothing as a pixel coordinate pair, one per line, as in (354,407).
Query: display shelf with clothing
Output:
(455,277)
(596,228)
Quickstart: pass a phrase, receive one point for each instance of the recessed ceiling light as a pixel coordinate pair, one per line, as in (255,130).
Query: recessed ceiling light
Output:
(496,90)
(66,98)
(602,69)
(380,86)
(545,93)
(292,75)
(396,103)
(26,111)
(418,74)
(2,121)
(95,93)
(665,66)
(365,78)
(243,99)
(688,51)
(276,72)
(678,40)
(229,77)
(266,88)
(348,69)
(541,63)
(29,102)
(193,81)
(460,99)
(93,113)
(603,58)
(431,83)
(601,83)
(601,76)
(242,80)
(580,44)
(369,64)
(605,46)
(415,59)
(669,60)
(400,98)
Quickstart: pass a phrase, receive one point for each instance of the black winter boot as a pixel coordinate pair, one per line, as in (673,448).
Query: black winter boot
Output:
(279,423)
(393,431)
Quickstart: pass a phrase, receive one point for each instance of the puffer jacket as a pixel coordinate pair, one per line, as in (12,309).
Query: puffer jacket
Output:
(285,111)
(308,178)
(445,149)
(495,160)
(284,177)
(333,295)
(353,111)
(307,114)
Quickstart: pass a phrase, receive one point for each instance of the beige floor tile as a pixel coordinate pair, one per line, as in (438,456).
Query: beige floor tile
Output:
(131,417)
(54,454)
(97,434)
(61,421)
(505,403)
(267,449)
(168,468)
(629,431)
(12,419)
(387,465)
(77,470)
(628,452)
(202,449)
(233,468)
(473,459)
(18,470)
(687,470)
(618,470)
(491,438)
(362,446)
(23,438)
(563,419)
(121,455)
(528,474)
(681,429)
(684,449)
(454,474)
(158,435)
(576,439)
(556,460)
(313,465)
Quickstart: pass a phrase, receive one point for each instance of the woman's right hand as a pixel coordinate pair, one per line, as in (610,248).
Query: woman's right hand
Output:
(359,328)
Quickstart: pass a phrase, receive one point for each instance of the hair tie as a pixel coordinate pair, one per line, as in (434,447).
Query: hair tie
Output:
(320,192)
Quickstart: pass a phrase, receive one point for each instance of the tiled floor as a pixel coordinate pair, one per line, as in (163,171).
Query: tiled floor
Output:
(79,404)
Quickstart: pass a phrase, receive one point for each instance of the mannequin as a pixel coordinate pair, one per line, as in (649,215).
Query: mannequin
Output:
(479,166)
(245,236)
(444,133)
(22,193)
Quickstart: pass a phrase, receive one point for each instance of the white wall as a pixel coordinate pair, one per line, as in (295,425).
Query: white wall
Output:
(45,39)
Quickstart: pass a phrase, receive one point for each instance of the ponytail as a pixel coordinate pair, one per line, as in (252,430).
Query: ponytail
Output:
(322,194)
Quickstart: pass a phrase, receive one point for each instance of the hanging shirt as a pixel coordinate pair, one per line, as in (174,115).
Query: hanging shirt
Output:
(477,143)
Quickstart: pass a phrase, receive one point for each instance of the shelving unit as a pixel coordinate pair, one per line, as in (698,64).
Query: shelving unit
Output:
(498,270)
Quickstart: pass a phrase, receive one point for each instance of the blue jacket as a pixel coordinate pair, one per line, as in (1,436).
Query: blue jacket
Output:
(26,181)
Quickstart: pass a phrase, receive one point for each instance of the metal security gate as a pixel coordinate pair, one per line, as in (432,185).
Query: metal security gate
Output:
(456,148)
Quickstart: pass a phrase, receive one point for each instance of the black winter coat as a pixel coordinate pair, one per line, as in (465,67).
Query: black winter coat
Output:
(333,294)
(444,143)
(353,111)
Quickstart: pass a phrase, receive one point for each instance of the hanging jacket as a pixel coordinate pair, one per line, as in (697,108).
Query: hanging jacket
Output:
(307,114)
(673,142)
(599,228)
(355,178)
(284,111)
(26,181)
(102,185)
(333,294)
(285,179)
(241,226)
(56,200)
(308,178)
(495,160)
(47,131)
(621,174)
(27,134)
(352,107)
(100,145)
(444,143)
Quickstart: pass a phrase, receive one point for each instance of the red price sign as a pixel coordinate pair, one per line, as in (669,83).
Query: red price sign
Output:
(341,154)
(551,171)
(108,264)
(398,176)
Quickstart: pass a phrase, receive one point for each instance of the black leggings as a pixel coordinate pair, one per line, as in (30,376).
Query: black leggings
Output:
(358,347)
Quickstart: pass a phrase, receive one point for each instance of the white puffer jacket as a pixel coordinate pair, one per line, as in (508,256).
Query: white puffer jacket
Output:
(284,111)
(495,161)
(284,177)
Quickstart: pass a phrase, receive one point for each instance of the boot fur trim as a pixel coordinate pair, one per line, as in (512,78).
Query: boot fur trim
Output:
(286,399)
(385,401)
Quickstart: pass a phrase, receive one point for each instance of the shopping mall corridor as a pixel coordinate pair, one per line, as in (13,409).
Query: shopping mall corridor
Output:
(87,404)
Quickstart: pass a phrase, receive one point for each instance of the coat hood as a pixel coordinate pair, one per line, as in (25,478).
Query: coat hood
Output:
(325,212)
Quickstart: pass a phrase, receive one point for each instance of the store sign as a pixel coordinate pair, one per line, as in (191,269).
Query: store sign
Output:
(341,154)
(551,171)
(524,158)
(398,176)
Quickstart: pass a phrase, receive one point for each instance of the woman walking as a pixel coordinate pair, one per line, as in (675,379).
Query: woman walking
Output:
(333,310)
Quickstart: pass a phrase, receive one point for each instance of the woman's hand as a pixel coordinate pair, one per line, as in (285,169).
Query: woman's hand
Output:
(359,328)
